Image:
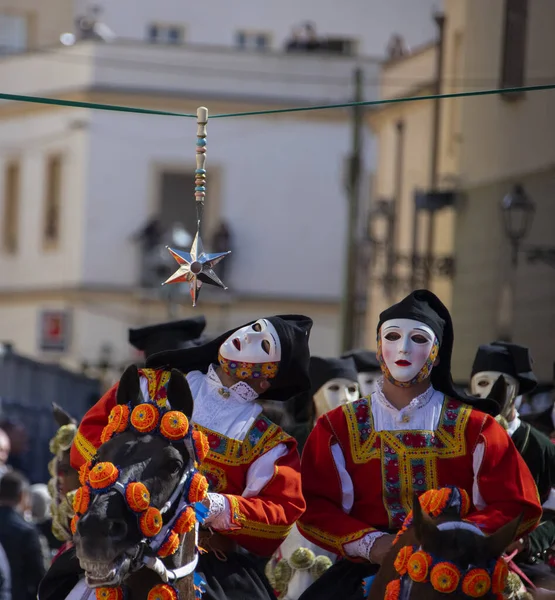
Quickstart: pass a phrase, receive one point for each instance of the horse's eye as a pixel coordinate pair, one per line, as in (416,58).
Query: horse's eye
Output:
(173,466)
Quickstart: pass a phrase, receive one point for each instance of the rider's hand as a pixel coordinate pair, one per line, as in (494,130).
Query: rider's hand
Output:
(380,548)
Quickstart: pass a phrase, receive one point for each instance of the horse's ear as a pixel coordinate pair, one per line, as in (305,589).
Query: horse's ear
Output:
(424,528)
(499,541)
(129,387)
(498,391)
(179,394)
(60,415)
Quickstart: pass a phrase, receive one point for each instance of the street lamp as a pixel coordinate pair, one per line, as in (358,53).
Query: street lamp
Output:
(518,211)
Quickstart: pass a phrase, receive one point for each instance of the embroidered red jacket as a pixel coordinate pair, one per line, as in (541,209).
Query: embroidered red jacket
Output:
(386,467)
(260,523)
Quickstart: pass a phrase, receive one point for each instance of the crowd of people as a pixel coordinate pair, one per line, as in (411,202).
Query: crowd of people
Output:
(374,427)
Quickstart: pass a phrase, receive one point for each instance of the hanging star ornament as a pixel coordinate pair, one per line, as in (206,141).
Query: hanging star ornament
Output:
(195,267)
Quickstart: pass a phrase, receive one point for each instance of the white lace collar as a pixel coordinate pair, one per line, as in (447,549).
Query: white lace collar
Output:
(416,403)
(240,391)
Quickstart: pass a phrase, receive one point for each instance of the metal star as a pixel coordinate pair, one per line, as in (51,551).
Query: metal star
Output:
(196,267)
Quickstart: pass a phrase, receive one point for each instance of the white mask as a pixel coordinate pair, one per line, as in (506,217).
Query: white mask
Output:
(482,383)
(367,382)
(406,350)
(334,393)
(256,343)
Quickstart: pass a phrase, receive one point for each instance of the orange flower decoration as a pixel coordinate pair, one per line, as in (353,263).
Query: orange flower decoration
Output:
(137,496)
(439,501)
(84,471)
(465,503)
(445,577)
(103,475)
(145,417)
(198,488)
(418,566)
(393,590)
(107,433)
(119,417)
(402,560)
(202,447)
(109,593)
(185,522)
(81,500)
(174,425)
(170,546)
(73,524)
(150,522)
(476,583)
(499,578)
(162,591)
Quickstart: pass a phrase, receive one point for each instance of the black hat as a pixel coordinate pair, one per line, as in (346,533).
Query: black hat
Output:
(321,370)
(507,358)
(365,360)
(426,307)
(292,377)
(167,336)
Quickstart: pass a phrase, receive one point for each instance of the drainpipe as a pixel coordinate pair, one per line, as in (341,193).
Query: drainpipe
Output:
(436,131)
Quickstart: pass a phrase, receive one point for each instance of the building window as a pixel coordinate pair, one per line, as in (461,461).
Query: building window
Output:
(52,204)
(13,33)
(12,182)
(252,40)
(513,53)
(165,34)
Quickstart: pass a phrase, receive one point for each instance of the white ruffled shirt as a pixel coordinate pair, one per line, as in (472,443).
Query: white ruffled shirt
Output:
(231,412)
(423,413)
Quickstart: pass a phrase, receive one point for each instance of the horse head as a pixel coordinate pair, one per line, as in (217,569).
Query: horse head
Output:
(439,553)
(139,496)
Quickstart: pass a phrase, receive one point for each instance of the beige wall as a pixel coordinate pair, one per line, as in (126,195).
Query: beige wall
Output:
(47,19)
(502,143)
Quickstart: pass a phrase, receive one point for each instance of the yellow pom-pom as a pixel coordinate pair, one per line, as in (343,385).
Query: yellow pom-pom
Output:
(170,546)
(109,593)
(185,522)
(162,591)
(81,500)
(198,488)
(119,418)
(145,417)
(174,425)
(150,522)
(103,475)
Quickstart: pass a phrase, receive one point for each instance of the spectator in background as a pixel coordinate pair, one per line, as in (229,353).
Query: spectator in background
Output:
(20,539)
(42,518)
(303,39)
(19,445)
(4,452)
(397,47)
(5,576)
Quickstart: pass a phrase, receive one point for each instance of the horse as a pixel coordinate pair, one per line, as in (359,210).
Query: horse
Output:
(432,557)
(117,532)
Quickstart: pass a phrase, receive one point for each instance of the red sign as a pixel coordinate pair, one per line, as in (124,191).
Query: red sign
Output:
(54,330)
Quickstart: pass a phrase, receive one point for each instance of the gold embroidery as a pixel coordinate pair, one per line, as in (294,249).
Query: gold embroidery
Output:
(237,517)
(262,530)
(327,538)
(85,448)
(216,477)
(240,452)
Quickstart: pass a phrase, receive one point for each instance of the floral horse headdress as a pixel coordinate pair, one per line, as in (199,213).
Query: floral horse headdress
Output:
(152,417)
(413,564)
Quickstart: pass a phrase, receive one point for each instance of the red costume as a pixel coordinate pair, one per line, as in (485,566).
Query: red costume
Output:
(386,467)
